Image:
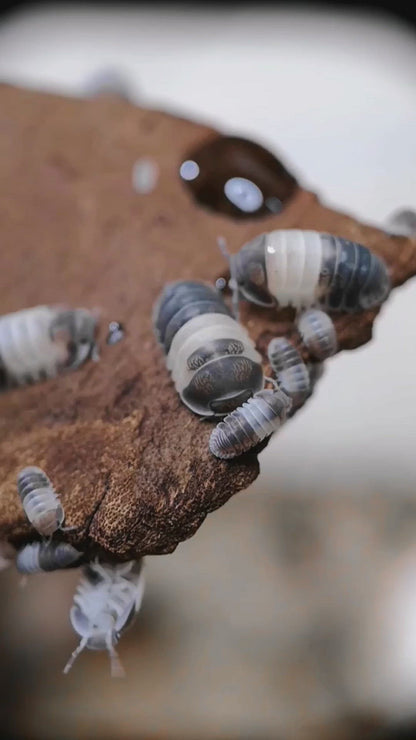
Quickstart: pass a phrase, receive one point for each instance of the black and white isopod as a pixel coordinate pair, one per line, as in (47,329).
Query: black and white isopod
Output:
(249,424)
(105,603)
(318,333)
(40,501)
(38,343)
(307,268)
(212,360)
(290,370)
(42,557)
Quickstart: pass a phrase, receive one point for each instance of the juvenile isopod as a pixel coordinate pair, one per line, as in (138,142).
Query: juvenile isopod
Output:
(41,557)
(307,268)
(108,81)
(249,424)
(402,223)
(105,603)
(290,370)
(40,501)
(318,333)
(38,343)
(213,362)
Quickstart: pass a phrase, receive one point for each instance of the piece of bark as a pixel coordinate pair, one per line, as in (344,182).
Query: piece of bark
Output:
(131,463)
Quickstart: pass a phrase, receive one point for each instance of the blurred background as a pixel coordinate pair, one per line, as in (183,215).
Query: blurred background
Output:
(292,612)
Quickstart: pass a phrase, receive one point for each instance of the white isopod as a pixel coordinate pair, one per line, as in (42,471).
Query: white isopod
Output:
(249,424)
(213,361)
(307,268)
(38,343)
(290,370)
(40,501)
(42,557)
(318,333)
(105,603)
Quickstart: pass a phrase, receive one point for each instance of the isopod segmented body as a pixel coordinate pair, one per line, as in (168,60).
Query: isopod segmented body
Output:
(38,343)
(249,424)
(41,557)
(105,603)
(40,501)
(290,370)
(212,360)
(307,268)
(318,333)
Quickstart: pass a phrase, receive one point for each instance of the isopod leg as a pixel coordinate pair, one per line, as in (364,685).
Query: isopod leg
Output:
(75,654)
(117,670)
(232,284)
(272,381)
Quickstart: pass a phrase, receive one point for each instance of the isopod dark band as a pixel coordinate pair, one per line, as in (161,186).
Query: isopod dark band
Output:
(181,302)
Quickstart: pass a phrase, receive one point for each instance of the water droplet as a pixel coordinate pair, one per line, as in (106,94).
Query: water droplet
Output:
(274,204)
(145,175)
(220,284)
(237,177)
(244,194)
(189,170)
(115,332)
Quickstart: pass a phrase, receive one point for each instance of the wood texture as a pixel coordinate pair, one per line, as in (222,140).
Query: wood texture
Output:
(131,463)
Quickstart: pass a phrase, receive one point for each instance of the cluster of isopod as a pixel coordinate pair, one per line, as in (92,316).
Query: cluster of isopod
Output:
(217,372)
(108,596)
(213,362)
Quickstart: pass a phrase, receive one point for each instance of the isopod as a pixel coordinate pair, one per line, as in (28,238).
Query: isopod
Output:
(38,343)
(318,333)
(108,81)
(402,223)
(249,424)
(40,501)
(307,268)
(38,557)
(213,362)
(105,603)
(290,370)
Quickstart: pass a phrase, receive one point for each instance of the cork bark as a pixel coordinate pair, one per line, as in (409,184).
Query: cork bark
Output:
(130,462)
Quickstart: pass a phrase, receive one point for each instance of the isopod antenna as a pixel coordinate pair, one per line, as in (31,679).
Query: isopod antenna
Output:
(82,645)
(232,283)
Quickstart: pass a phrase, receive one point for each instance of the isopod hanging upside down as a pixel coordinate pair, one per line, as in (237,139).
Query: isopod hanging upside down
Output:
(40,501)
(307,268)
(249,424)
(42,557)
(39,343)
(318,333)
(105,603)
(290,370)
(213,361)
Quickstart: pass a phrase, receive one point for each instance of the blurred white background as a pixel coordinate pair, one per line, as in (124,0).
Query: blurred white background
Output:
(335,95)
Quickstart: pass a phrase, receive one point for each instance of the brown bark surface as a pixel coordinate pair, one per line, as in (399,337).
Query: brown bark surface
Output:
(130,462)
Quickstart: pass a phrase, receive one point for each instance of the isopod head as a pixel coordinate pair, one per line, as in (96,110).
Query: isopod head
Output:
(222,384)
(80,326)
(249,269)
